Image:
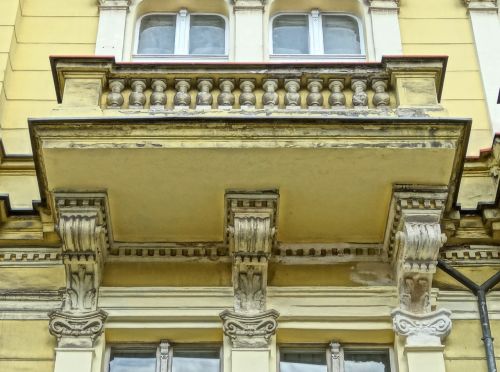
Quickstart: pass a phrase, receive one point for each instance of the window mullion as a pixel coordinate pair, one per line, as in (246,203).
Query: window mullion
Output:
(337,357)
(163,356)
(315,32)
(182,33)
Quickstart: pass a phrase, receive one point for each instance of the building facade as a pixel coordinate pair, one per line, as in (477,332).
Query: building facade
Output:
(241,185)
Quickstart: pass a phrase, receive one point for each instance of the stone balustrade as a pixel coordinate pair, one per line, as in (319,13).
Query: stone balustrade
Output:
(409,82)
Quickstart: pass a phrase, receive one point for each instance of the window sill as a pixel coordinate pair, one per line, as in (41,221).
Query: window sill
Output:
(318,57)
(178,57)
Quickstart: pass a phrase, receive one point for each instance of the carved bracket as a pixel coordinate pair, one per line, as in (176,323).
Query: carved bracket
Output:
(84,327)
(249,330)
(250,283)
(83,229)
(422,329)
(251,222)
(413,240)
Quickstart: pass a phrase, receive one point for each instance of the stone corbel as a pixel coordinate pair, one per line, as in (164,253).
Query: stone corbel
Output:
(251,228)
(83,229)
(253,331)
(413,240)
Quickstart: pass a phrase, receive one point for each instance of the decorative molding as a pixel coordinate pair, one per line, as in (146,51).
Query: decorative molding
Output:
(31,256)
(114,4)
(420,328)
(249,330)
(87,326)
(28,304)
(472,255)
(463,304)
(250,283)
(413,239)
(251,222)
(481,4)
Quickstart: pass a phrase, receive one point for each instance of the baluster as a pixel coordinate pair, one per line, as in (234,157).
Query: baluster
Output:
(158,97)
(381,97)
(314,97)
(226,96)
(204,98)
(182,98)
(292,96)
(359,97)
(115,96)
(137,98)
(337,97)
(247,96)
(270,99)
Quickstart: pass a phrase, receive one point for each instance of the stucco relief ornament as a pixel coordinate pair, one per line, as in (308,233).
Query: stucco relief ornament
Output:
(250,289)
(359,97)
(422,327)
(89,325)
(249,330)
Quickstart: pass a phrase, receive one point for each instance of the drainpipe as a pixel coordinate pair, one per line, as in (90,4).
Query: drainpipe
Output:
(480,292)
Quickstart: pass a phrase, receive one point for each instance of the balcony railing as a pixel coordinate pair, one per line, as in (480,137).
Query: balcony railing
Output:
(354,88)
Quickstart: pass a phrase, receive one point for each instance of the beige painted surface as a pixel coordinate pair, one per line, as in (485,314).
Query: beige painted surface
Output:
(32,277)
(310,211)
(443,28)
(25,345)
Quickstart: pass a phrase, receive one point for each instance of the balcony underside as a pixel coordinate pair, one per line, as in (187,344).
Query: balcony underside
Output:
(165,179)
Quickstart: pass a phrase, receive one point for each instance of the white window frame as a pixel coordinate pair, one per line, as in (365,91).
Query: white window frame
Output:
(162,365)
(343,347)
(316,48)
(182,34)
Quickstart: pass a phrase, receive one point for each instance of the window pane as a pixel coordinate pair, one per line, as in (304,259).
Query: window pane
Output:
(362,361)
(291,34)
(340,35)
(207,35)
(157,35)
(195,360)
(133,361)
(302,360)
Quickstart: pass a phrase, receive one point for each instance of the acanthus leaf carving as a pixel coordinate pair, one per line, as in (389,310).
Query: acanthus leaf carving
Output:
(250,284)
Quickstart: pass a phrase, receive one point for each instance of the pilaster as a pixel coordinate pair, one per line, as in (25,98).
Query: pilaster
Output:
(111,28)
(385,26)
(248,30)
(486,31)
(413,241)
(250,327)
(82,225)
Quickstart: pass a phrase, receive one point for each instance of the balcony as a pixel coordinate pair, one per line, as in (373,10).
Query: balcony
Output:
(166,143)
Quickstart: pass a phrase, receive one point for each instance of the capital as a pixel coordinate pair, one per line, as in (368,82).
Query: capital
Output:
(76,330)
(422,329)
(249,330)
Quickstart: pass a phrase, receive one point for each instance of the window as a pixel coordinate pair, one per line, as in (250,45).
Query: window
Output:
(317,34)
(164,357)
(333,359)
(182,34)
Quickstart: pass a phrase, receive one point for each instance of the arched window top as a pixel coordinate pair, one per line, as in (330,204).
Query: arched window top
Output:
(181,34)
(317,35)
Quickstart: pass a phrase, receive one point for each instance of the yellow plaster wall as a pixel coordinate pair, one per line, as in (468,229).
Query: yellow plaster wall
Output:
(31,31)
(430,27)
(26,346)
(464,350)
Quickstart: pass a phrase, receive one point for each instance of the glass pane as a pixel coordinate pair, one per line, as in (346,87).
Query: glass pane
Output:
(157,34)
(302,360)
(207,35)
(291,34)
(195,360)
(340,35)
(133,361)
(363,361)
